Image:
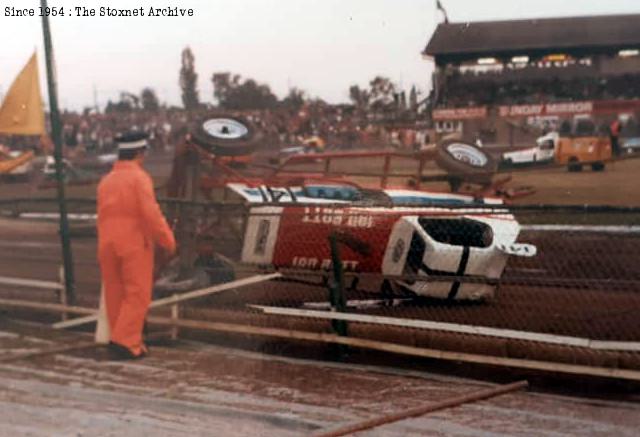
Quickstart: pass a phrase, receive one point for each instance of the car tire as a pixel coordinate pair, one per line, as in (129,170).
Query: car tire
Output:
(598,166)
(207,271)
(574,165)
(466,161)
(506,163)
(225,135)
(170,283)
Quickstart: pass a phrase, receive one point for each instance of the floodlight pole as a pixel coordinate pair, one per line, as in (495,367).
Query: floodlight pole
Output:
(56,132)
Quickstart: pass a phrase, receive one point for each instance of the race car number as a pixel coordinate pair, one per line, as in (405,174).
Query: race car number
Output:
(518,249)
(321,264)
(336,217)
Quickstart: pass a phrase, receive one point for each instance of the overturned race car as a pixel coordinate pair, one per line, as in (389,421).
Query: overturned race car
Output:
(424,251)
(438,245)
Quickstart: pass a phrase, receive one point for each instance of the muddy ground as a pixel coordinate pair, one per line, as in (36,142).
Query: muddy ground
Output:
(188,388)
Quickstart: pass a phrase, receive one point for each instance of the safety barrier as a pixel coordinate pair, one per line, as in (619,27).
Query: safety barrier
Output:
(58,288)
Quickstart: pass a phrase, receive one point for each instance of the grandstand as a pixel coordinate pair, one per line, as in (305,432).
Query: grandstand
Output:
(507,81)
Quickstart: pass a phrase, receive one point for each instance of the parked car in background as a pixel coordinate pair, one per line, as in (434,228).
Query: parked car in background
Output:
(543,152)
(71,174)
(21,173)
(15,165)
(630,136)
(49,169)
(631,145)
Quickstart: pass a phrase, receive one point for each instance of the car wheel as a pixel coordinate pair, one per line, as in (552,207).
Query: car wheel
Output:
(170,282)
(465,160)
(598,166)
(574,165)
(225,135)
(506,163)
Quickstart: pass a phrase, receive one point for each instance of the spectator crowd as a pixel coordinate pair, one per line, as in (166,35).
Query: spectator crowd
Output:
(492,89)
(339,126)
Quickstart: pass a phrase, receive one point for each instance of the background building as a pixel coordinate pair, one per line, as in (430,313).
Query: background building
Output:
(509,81)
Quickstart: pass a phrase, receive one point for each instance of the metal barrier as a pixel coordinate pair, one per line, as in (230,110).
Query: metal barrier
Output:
(57,287)
(31,283)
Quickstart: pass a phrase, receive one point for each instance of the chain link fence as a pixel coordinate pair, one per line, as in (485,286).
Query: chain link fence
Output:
(542,283)
(545,283)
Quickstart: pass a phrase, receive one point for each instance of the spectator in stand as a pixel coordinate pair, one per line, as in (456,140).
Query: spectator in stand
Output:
(614,130)
(499,88)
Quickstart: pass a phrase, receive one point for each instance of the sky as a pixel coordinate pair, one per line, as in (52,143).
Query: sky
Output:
(321,46)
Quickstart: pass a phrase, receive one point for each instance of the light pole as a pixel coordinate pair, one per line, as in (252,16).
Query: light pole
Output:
(56,132)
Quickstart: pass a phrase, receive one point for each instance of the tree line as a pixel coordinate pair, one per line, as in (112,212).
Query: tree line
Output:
(234,92)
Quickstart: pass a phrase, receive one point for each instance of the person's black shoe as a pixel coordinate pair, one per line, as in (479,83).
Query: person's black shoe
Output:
(120,353)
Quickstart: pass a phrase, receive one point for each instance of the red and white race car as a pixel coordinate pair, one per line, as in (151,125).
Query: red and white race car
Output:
(441,245)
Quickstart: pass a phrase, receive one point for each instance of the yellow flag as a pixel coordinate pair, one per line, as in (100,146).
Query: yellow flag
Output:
(21,112)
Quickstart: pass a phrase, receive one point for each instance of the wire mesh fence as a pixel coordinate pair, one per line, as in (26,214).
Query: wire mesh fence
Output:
(565,280)
(543,283)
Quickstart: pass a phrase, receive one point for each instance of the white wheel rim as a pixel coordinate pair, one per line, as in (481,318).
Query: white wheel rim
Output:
(467,154)
(225,128)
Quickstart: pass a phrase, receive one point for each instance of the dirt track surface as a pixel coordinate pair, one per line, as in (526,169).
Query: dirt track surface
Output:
(194,389)
(617,185)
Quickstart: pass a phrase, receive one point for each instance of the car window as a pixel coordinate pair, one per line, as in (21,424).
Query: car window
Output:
(584,128)
(331,192)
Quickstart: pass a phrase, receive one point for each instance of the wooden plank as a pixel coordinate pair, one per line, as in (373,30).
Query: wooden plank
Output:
(102,333)
(574,369)
(609,229)
(457,328)
(420,411)
(31,283)
(42,306)
(50,351)
(180,297)
(58,349)
(214,289)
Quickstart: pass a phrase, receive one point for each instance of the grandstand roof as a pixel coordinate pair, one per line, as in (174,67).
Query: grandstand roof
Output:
(597,33)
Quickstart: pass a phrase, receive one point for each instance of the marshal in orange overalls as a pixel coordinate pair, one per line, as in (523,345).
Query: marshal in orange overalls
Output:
(130,224)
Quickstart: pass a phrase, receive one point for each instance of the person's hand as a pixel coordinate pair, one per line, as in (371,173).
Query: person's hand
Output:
(172,252)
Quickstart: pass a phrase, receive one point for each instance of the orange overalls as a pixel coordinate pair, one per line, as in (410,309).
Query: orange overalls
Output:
(130,223)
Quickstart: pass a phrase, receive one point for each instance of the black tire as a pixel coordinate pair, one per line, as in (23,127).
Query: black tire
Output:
(206,272)
(219,270)
(574,165)
(170,283)
(466,161)
(506,164)
(240,137)
(598,166)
